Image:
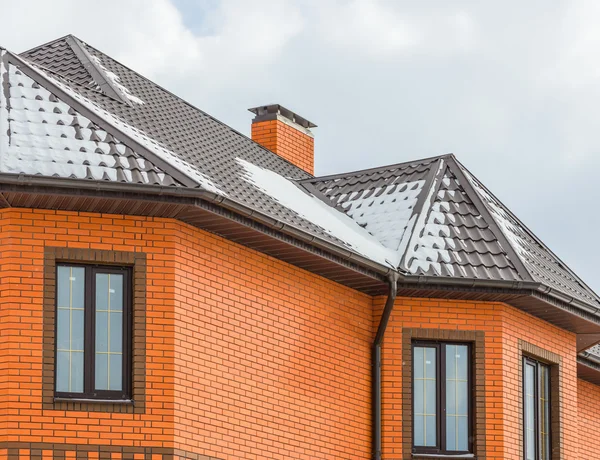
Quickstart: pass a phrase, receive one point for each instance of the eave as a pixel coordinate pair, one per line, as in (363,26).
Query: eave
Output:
(588,368)
(220,215)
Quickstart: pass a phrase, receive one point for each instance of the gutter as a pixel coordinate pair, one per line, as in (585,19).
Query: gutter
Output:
(200,198)
(376,356)
(473,283)
(587,356)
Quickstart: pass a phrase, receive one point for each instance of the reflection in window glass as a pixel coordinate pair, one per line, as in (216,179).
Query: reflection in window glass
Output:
(457,394)
(70,329)
(529,412)
(109,331)
(545,412)
(536,400)
(425,396)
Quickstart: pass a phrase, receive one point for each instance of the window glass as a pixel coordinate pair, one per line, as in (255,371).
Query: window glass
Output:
(545,412)
(529,411)
(425,396)
(91,317)
(109,331)
(70,328)
(457,398)
(441,398)
(536,402)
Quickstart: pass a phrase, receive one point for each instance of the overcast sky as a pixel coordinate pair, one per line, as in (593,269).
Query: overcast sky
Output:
(512,87)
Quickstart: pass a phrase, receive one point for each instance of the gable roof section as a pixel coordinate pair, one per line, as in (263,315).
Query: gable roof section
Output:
(42,135)
(541,263)
(429,218)
(192,139)
(447,224)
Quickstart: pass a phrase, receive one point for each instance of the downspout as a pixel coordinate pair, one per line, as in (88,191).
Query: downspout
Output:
(376,351)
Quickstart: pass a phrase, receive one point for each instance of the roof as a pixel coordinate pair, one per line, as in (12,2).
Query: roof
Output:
(197,140)
(447,224)
(69,111)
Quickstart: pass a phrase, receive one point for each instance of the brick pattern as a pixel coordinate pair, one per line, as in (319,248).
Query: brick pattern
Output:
(504,327)
(27,238)
(248,357)
(136,260)
(589,419)
(287,142)
(49,451)
(271,361)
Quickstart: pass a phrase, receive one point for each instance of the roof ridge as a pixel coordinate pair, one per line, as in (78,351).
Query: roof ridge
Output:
(79,102)
(94,70)
(532,235)
(432,185)
(206,114)
(477,201)
(375,169)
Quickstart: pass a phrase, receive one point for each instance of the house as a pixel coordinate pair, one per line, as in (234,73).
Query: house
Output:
(170,288)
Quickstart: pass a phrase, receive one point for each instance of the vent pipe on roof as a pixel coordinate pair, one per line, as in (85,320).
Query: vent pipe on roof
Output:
(285,133)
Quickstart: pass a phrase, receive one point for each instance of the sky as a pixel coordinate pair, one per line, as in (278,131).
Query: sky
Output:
(511,88)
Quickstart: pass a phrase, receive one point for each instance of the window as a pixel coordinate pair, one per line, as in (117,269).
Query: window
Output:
(93,332)
(442,398)
(536,408)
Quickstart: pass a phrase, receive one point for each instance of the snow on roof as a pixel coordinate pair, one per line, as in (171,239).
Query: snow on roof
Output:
(116,81)
(42,135)
(137,135)
(337,224)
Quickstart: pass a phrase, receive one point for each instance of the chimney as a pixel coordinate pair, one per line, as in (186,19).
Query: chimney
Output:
(285,133)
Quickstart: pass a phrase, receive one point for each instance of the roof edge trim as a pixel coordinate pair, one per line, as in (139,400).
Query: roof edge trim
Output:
(375,169)
(97,75)
(531,234)
(35,74)
(456,168)
(418,217)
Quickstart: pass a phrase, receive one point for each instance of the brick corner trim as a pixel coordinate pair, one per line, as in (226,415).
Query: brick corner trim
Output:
(477,339)
(136,260)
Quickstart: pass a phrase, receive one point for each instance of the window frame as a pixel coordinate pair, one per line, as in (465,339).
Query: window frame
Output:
(441,442)
(89,378)
(538,365)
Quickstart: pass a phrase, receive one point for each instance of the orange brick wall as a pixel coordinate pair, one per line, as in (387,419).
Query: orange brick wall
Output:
(503,327)
(589,419)
(25,234)
(287,142)
(247,357)
(271,361)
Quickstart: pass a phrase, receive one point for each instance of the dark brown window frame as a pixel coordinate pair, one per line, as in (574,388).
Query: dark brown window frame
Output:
(554,361)
(136,262)
(440,448)
(538,365)
(477,341)
(89,360)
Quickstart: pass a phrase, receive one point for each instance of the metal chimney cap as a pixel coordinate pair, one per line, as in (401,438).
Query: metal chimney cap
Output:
(277,111)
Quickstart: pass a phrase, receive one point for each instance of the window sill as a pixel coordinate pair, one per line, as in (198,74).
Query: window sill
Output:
(121,402)
(443,456)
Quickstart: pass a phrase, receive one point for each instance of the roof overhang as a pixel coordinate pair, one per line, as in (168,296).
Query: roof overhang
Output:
(588,368)
(218,214)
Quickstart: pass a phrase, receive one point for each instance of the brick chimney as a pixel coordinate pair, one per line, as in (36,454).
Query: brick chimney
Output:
(285,133)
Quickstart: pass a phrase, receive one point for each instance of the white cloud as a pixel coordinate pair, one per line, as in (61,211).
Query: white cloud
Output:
(382,29)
